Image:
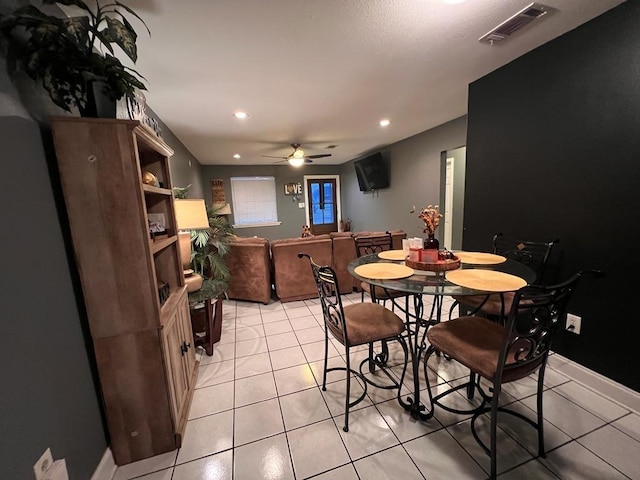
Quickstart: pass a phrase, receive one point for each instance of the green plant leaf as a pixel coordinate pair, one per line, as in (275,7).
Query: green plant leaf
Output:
(135,15)
(78,29)
(116,32)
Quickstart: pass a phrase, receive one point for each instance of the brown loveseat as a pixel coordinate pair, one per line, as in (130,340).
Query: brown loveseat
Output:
(249,263)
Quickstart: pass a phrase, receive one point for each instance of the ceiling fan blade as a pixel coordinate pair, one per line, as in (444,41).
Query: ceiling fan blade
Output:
(308,160)
(272,156)
(321,155)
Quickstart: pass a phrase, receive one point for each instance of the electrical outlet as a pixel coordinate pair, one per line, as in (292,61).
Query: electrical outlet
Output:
(43,464)
(301,205)
(573,324)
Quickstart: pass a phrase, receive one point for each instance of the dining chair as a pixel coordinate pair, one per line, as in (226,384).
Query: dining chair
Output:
(534,254)
(504,353)
(354,325)
(367,245)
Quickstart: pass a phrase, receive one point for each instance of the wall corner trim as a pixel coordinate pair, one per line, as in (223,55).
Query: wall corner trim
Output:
(107,467)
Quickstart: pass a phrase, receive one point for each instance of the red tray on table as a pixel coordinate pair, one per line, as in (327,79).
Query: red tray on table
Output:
(438,266)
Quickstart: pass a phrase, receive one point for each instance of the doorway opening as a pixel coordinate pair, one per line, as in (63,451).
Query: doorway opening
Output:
(452,175)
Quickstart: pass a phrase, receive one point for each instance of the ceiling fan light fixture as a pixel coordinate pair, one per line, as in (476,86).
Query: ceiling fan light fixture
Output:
(298,153)
(296,162)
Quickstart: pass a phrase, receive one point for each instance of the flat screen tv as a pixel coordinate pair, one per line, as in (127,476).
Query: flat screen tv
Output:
(372,172)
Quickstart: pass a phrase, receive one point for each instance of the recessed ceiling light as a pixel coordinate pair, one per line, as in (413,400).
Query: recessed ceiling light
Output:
(241,115)
(237,156)
(385,122)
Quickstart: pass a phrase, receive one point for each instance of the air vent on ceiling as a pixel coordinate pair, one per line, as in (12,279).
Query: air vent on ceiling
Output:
(514,23)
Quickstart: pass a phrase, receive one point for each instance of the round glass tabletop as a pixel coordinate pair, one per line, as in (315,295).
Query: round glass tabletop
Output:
(432,283)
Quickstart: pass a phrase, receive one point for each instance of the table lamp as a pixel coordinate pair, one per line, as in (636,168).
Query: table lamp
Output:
(190,215)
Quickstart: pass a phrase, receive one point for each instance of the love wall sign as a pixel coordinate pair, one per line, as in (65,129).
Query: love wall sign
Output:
(293,189)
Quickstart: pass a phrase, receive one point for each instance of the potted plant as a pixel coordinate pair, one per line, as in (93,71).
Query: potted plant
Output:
(64,53)
(211,246)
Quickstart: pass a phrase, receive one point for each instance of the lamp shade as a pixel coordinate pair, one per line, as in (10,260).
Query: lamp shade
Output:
(191,214)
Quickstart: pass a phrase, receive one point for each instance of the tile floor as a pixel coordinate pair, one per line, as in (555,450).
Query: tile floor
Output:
(258,413)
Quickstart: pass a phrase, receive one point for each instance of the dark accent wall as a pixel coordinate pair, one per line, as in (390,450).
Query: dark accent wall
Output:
(554,151)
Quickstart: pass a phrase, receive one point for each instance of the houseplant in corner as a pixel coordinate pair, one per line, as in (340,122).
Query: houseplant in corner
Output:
(74,57)
(210,246)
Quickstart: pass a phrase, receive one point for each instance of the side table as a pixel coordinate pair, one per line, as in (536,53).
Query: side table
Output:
(205,306)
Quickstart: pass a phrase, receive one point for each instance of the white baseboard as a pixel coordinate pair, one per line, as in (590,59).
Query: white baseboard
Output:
(106,468)
(606,387)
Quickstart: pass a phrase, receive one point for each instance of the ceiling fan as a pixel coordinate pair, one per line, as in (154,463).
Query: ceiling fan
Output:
(298,157)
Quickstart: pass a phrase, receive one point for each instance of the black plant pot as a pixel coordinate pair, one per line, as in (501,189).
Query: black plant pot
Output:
(101,102)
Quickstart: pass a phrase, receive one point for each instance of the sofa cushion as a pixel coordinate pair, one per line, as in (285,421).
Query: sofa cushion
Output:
(293,278)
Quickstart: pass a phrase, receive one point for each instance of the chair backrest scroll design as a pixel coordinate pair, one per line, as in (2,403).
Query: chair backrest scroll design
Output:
(327,283)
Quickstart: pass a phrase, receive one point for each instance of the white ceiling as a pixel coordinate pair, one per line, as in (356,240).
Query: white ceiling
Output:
(322,72)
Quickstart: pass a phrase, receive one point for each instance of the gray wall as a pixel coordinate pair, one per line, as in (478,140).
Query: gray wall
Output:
(49,386)
(48,395)
(414,180)
(553,150)
(292,217)
(185,168)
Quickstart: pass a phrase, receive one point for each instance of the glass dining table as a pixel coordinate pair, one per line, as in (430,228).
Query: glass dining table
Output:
(418,284)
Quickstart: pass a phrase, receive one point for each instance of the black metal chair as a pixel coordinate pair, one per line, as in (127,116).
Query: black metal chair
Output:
(366,245)
(354,325)
(503,354)
(533,254)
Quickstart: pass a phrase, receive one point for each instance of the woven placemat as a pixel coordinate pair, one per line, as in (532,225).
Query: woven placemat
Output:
(383,271)
(392,255)
(485,280)
(480,258)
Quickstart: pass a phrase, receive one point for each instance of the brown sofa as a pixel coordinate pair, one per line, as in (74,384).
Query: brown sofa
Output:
(292,276)
(249,263)
(255,262)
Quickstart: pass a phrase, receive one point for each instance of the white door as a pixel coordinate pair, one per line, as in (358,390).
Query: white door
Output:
(448,204)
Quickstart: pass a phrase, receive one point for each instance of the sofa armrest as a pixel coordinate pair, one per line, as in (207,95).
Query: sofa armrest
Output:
(249,263)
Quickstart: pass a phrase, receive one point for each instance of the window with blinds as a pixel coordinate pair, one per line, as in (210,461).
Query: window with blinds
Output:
(254,201)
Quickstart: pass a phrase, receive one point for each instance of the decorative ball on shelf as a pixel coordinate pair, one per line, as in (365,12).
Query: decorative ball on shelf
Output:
(150,179)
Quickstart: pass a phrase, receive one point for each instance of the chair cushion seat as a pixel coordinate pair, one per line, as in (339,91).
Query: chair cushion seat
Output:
(492,305)
(381,293)
(369,322)
(475,342)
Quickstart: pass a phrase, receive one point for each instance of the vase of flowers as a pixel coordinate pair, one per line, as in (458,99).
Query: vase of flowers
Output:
(431,218)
